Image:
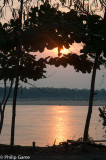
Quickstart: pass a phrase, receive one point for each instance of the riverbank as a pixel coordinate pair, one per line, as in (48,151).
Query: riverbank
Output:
(60,152)
(57,102)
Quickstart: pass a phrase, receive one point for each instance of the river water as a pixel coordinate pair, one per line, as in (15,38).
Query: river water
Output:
(45,124)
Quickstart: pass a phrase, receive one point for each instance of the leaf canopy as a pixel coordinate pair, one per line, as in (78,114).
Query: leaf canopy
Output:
(49,28)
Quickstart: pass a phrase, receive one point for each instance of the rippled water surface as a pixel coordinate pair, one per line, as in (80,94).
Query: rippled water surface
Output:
(46,123)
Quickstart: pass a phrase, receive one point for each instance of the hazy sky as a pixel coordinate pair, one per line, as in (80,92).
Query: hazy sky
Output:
(68,78)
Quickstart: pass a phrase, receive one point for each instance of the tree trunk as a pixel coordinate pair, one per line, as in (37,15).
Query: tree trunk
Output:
(16,85)
(4,105)
(85,137)
(105,14)
(14,111)
(20,12)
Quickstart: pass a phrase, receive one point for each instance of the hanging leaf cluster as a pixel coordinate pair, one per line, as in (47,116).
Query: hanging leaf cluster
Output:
(80,63)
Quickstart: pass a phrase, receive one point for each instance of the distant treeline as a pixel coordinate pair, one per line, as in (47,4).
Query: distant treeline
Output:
(56,93)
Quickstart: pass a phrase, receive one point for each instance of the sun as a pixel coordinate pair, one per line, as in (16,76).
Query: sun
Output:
(63,50)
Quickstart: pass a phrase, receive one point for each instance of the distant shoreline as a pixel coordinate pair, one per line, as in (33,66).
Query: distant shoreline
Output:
(57,102)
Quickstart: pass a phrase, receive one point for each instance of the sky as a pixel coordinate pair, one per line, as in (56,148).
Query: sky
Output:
(66,77)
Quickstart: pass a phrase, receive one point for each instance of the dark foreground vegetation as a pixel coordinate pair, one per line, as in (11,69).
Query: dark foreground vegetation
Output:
(62,148)
(53,93)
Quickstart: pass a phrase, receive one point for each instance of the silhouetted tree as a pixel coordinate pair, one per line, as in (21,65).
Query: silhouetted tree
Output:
(88,6)
(95,40)
(91,30)
(4,73)
(4,102)
(94,36)
(45,27)
(19,64)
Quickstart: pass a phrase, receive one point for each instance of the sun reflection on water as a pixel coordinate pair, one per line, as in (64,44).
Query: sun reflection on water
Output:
(61,124)
(44,124)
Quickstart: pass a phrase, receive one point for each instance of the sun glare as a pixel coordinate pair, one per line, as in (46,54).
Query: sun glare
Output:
(63,50)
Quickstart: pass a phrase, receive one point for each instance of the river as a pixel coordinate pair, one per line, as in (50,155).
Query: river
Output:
(46,124)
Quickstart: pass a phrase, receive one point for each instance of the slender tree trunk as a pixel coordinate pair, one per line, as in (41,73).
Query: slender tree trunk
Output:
(4,105)
(83,4)
(86,130)
(5,91)
(105,14)
(20,12)
(16,84)
(14,111)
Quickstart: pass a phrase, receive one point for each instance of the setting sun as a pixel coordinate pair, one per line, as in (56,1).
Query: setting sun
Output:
(63,50)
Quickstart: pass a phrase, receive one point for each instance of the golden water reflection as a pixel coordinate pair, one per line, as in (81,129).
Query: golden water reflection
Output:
(64,123)
(44,124)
